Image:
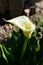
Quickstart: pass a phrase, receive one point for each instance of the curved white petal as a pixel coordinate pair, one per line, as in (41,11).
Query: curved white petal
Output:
(23,20)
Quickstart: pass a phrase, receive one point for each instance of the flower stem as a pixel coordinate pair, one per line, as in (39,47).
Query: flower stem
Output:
(24,48)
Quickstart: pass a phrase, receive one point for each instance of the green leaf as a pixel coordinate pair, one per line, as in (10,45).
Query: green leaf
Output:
(3,54)
(38,46)
(34,43)
(8,53)
(41,22)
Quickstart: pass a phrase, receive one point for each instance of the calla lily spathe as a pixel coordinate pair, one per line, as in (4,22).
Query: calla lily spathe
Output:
(23,23)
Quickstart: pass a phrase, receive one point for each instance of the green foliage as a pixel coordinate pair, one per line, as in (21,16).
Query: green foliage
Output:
(20,51)
(41,22)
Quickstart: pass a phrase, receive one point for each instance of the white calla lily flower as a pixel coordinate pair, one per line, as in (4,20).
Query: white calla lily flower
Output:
(23,23)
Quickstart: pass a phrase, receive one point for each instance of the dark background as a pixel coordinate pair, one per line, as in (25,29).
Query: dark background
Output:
(13,8)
